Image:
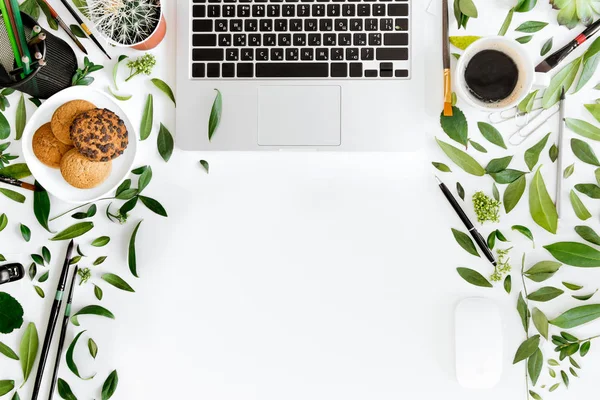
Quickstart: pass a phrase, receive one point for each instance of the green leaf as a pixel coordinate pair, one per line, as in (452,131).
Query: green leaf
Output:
(3,221)
(32,271)
(580,210)
(507,21)
(462,42)
(553,153)
(507,176)
(589,189)
(465,242)
(6,386)
(534,366)
(491,240)
(533,394)
(524,231)
(74,231)
(584,297)
(588,234)
(541,322)
(495,192)
(523,312)
(71,362)
(527,348)
(35,101)
(99,260)
(4,127)
(93,348)
(577,316)
(101,241)
(524,39)
(525,5)
(92,310)
(16,171)
(46,254)
(127,194)
(98,292)
(77,31)
(41,206)
(215,115)
(165,88)
(491,134)
(543,270)
(590,63)
(462,159)
(473,277)
(44,277)
(546,47)
(206,167)
(8,352)
(153,205)
(110,385)
(37,259)
(31,8)
(565,378)
(117,282)
(28,350)
(584,152)
(544,294)
(131,256)
(25,232)
(64,390)
(456,126)
(563,79)
(165,143)
(508,284)
(572,286)
(594,109)
(21,117)
(575,254)
(585,348)
(498,165)
(52,22)
(532,155)
(513,194)
(440,166)
(11,194)
(531,26)
(116,70)
(40,291)
(569,171)
(460,190)
(147,118)
(541,206)
(583,128)
(554,387)
(526,105)
(120,97)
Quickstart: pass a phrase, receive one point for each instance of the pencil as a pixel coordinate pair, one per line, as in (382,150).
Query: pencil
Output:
(65,27)
(10,31)
(52,319)
(63,334)
(84,27)
(446,55)
(20,34)
(17,183)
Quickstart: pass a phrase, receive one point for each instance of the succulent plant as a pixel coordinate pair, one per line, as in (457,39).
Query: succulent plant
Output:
(126,22)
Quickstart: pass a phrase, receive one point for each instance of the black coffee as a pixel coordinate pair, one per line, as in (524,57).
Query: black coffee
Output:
(491,76)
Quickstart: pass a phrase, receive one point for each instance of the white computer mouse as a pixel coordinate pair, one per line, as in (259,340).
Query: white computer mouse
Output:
(478,343)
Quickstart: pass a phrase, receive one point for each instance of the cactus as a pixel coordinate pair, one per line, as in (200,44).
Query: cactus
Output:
(127,22)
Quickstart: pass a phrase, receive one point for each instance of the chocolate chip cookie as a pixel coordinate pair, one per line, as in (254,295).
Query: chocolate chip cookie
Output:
(63,117)
(99,134)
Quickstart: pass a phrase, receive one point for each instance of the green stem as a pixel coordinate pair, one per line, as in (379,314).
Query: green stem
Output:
(588,339)
(527,331)
(78,207)
(131,76)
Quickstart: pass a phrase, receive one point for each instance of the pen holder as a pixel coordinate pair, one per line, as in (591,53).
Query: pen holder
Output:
(60,63)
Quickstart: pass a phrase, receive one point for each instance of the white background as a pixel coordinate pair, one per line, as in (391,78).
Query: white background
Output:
(298,275)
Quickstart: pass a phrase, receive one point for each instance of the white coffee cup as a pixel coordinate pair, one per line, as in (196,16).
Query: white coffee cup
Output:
(516,52)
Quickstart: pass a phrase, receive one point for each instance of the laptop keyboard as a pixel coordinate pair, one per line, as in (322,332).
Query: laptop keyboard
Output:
(289,39)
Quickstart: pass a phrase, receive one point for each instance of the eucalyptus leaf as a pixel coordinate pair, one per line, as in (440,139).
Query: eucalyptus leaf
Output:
(131,255)
(455,126)
(541,206)
(215,115)
(8,352)
(4,127)
(16,171)
(153,205)
(589,189)
(569,171)
(477,146)
(585,348)
(534,395)
(525,5)
(74,231)
(491,240)
(554,387)
(462,159)
(563,79)
(28,350)
(465,242)
(542,271)
(565,378)
(473,277)
(513,193)
(583,128)
(546,47)
(491,134)
(594,109)
(99,260)
(531,26)
(584,152)
(575,254)
(165,88)
(580,209)
(44,277)
(588,234)
(101,241)
(495,192)
(206,167)
(32,271)
(441,166)
(117,282)
(524,231)
(71,362)
(534,366)
(532,155)
(39,291)
(110,385)
(498,165)
(577,316)
(165,143)
(46,254)
(572,286)
(507,176)
(144,179)
(544,294)
(116,70)
(540,322)
(120,97)
(147,118)
(526,349)
(468,8)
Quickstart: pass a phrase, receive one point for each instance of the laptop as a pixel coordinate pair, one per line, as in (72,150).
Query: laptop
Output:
(338,75)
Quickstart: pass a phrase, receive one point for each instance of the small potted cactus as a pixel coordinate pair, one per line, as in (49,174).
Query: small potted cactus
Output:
(139,24)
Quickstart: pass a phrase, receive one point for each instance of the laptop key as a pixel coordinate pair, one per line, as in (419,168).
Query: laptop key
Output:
(229,11)
(254,40)
(401,73)
(199,11)
(303,10)
(397,10)
(386,69)
(247,55)
(243,11)
(307,54)
(395,39)
(360,39)
(198,70)
(200,40)
(291,54)
(341,24)
(333,10)
(339,70)
(225,39)
(356,24)
(258,11)
(322,54)
(352,54)
(288,10)
(356,70)
(378,10)
(270,39)
(235,25)
(374,39)
(292,70)
(273,10)
(299,39)
(386,24)
(345,39)
(221,25)
(367,54)
(401,24)
(213,70)
(214,11)
(245,70)
(202,25)
(310,25)
(364,10)
(284,39)
(277,54)
(295,25)
(232,54)
(348,10)
(330,39)
(262,54)
(266,25)
(392,53)
(337,54)
(314,39)
(207,54)
(228,70)
(251,25)
(371,73)
(371,24)
(326,25)
(281,25)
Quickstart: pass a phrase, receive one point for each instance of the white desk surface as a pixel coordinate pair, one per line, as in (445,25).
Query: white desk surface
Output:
(297,275)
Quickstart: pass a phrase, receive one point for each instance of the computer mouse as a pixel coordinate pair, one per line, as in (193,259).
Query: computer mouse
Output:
(478,343)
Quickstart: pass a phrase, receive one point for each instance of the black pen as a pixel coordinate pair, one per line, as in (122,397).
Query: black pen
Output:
(60,289)
(470,227)
(84,27)
(63,334)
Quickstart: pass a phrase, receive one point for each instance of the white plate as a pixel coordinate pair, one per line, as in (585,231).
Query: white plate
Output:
(50,178)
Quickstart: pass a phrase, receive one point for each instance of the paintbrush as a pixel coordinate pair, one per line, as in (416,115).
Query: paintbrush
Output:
(65,27)
(17,183)
(84,27)
(446,55)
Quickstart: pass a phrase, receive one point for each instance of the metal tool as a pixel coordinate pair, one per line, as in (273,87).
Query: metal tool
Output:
(534,124)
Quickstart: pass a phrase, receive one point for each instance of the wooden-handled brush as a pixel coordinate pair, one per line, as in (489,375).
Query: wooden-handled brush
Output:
(446,55)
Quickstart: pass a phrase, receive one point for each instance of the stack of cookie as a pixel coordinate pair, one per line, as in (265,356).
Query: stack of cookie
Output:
(82,141)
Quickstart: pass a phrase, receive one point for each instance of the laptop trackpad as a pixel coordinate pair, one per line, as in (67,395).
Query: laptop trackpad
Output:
(299,116)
